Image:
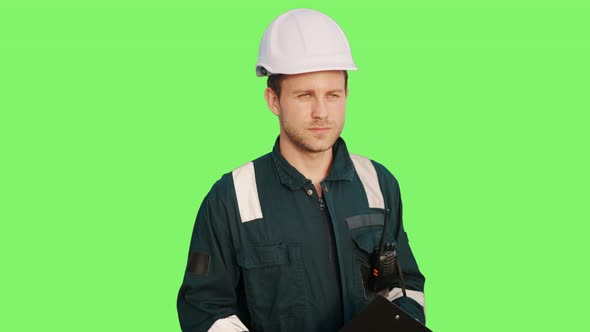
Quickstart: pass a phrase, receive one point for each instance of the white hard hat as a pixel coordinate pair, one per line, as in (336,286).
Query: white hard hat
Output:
(301,41)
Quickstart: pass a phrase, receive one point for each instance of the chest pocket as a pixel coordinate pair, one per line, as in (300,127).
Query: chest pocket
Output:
(274,284)
(365,231)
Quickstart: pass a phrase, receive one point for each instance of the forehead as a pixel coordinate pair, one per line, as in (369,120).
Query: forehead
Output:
(329,80)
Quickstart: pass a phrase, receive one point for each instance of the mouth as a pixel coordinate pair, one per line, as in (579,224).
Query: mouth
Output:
(320,130)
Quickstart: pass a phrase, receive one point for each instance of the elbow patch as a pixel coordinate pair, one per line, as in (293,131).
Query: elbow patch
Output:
(198,263)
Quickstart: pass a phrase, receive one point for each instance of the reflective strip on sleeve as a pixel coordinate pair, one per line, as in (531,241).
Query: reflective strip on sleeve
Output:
(228,324)
(247,192)
(368,175)
(414,295)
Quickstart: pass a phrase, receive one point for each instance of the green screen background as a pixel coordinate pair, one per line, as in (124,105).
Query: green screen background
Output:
(116,117)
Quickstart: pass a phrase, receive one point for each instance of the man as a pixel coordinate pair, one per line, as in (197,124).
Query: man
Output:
(284,243)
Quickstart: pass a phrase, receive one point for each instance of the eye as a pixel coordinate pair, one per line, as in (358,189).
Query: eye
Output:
(334,95)
(304,95)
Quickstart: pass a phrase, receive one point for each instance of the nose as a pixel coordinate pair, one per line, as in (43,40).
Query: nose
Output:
(320,109)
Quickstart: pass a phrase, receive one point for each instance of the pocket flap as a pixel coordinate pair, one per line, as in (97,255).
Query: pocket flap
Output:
(366,241)
(366,230)
(268,255)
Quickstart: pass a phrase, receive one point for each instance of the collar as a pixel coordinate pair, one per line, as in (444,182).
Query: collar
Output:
(342,166)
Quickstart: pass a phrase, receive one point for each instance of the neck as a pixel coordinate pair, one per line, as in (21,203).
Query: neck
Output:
(313,165)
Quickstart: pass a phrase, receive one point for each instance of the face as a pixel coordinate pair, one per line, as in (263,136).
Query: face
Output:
(311,109)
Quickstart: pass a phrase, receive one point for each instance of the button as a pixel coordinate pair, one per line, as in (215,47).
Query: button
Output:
(396,316)
(309,192)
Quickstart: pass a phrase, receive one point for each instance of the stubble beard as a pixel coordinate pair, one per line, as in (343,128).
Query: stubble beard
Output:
(305,141)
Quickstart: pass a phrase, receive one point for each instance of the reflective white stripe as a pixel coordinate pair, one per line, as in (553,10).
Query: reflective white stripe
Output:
(247,192)
(415,295)
(228,324)
(366,171)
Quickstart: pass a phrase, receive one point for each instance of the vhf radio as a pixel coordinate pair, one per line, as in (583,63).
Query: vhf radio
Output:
(384,262)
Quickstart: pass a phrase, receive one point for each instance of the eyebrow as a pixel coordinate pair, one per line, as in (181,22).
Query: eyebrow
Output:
(296,92)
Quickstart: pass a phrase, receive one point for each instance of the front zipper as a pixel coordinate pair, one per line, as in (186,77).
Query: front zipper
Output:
(333,253)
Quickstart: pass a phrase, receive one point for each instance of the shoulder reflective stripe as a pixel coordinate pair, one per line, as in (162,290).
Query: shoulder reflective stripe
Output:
(366,171)
(247,192)
(414,295)
(228,324)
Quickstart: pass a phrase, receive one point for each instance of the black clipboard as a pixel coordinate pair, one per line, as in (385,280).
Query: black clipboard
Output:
(381,315)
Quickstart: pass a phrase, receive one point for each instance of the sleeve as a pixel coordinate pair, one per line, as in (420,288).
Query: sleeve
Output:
(413,302)
(207,299)
(414,281)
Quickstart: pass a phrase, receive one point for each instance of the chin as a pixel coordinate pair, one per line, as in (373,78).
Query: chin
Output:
(321,146)
(310,143)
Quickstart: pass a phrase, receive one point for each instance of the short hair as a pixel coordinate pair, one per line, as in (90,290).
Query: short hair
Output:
(274,82)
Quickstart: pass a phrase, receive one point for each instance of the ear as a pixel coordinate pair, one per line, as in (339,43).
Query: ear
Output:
(272,101)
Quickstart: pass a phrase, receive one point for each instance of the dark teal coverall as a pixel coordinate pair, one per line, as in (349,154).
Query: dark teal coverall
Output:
(268,250)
